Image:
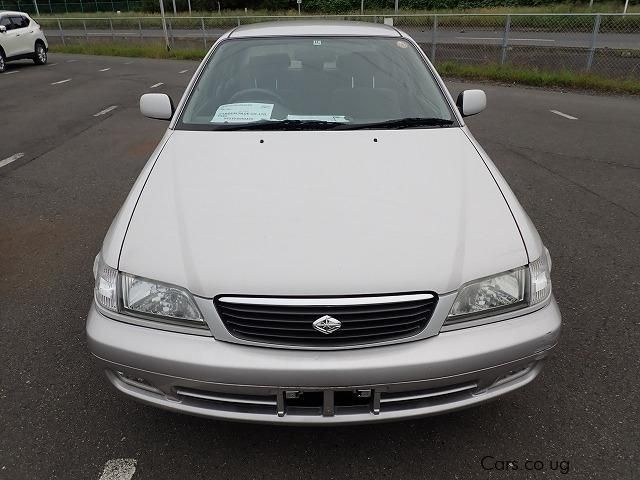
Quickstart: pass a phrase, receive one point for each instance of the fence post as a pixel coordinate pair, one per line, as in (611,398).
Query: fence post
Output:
(594,37)
(81,7)
(86,34)
(434,39)
(505,39)
(140,29)
(204,33)
(361,7)
(238,21)
(65,7)
(395,6)
(50,9)
(61,32)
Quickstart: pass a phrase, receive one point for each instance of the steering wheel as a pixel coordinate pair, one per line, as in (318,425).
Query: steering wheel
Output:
(253,93)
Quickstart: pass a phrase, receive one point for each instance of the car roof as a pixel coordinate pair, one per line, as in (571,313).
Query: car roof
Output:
(10,12)
(292,28)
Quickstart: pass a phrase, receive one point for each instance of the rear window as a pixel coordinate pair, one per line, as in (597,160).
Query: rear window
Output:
(20,21)
(313,80)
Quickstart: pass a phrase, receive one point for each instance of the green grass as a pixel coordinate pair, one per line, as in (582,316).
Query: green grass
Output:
(122,50)
(539,78)
(504,74)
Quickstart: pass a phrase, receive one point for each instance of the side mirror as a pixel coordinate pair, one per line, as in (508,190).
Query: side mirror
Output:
(3,29)
(157,105)
(471,102)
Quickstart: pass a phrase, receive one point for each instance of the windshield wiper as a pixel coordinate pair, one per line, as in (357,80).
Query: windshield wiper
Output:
(279,125)
(410,122)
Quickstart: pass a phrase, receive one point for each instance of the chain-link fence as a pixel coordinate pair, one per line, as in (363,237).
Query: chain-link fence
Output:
(57,7)
(607,44)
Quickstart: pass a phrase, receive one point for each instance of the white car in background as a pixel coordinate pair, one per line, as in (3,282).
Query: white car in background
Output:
(21,37)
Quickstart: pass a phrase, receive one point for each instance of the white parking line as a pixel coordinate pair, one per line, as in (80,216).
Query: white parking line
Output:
(156,85)
(61,81)
(119,469)
(51,64)
(183,71)
(12,71)
(12,158)
(105,69)
(106,110)
(563,115)
(71,61)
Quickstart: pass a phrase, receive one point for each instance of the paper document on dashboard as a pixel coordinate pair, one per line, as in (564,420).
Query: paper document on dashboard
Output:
(242,112)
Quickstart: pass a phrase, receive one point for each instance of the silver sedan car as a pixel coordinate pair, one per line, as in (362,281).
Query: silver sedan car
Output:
(319,239)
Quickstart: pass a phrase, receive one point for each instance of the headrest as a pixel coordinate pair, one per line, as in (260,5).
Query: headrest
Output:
(358,63)
(313,56)
(273,61)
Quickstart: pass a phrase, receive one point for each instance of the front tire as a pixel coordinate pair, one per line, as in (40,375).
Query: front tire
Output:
(3,62)
(40,54)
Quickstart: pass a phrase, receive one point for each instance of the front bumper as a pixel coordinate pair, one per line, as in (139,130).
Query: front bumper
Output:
(203,376)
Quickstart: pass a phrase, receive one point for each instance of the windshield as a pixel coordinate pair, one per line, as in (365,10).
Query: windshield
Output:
(293,83)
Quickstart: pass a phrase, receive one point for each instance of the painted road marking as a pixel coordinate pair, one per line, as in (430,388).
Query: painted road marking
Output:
(511,39)
(61,81)
(71,61)
(156,85)
(12,71)
(128,63)
(105,69)
(119,469)
(51,64)
(563,115)
(106,110)
(183,71)
(11,159)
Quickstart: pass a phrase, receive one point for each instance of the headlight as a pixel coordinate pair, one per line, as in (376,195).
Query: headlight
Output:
(500,292)
(515,289)
(147,297)
(144,298)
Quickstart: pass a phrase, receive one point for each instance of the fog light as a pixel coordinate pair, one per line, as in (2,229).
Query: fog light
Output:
(137,382)
(512,375)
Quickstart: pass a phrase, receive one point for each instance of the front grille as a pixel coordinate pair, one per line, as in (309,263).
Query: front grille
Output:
(289,321)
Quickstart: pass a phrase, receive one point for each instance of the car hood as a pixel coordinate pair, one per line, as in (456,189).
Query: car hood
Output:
(320,213)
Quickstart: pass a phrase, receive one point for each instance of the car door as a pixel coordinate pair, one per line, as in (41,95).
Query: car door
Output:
(24,34)
(8,39)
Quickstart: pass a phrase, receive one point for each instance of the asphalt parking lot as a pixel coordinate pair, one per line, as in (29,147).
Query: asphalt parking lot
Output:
(72,142)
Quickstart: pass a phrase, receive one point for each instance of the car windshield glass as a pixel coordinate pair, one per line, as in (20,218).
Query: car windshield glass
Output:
(315,83)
